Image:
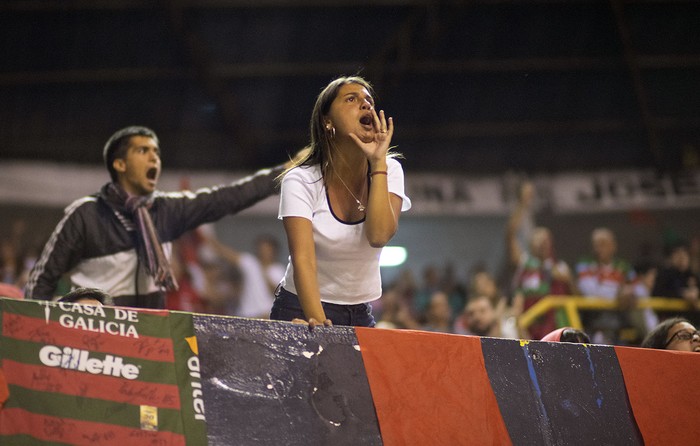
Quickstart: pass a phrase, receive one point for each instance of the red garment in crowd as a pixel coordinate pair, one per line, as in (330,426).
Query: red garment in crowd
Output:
(185,298)
(7,290)
(554,336)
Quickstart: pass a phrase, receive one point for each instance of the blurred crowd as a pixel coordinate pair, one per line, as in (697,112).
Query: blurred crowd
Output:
(219,279)
(490,303)
(481,306)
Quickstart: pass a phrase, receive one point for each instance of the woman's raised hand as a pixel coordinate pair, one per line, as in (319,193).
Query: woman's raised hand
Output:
(378,147)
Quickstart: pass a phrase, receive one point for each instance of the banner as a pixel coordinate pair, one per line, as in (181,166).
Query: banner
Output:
(115,376)
(81,374)
(276,383)
(564,193)
(572,393)
(431,389)
(570,192)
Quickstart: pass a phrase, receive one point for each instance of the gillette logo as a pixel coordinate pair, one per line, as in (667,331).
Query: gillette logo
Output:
(75,359)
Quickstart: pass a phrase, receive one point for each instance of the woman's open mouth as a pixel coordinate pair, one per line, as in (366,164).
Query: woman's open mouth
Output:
(366,120)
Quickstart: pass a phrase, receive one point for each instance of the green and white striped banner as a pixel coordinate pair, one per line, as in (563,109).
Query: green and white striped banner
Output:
(96,375)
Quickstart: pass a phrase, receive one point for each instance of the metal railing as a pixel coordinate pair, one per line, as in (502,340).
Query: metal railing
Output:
(572,305)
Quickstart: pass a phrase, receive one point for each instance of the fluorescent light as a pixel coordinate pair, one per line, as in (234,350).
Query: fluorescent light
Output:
(392,256)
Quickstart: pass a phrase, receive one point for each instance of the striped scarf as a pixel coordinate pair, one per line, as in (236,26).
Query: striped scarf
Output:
(150,250)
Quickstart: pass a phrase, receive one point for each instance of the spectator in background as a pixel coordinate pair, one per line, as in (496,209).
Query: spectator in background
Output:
(267,253)
(519,229)
(480,318)
(645,277)
(256,290)
(567,334)
(438,314)
(674,334)
(541,274)
(396,309)
(222,286)
(676,279)
(188,272)
(431,283)
(434,280)
(119,238)
(9,264)
(449,284)
(521,224)
(604,275)
(10,247)
(695,255)
(87,296)
(484,284)
(396,313)
(17,255)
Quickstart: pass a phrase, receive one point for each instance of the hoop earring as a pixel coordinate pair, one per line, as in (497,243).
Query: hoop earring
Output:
(331,132)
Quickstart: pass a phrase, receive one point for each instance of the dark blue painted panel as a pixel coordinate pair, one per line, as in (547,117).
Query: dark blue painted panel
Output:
(560,393)
(277,383)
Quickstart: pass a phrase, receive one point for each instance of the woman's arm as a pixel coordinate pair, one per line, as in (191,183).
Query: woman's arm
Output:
(303,256)
(383,208)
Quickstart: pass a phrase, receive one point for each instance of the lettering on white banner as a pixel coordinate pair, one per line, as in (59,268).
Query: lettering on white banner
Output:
(80,360)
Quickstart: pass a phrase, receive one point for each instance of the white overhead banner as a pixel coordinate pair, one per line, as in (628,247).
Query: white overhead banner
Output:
(624,190)
(56,185)
(562,193)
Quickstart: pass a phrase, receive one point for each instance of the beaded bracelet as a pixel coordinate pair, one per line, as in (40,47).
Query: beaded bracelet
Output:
(378,172)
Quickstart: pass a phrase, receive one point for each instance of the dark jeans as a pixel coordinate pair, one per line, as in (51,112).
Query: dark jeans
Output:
(287,307)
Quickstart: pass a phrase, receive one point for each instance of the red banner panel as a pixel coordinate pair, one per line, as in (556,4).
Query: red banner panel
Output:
(663,393)
(430,388)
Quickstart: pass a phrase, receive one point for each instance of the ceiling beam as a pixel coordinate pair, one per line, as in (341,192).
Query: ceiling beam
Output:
(297,69)
(199,56)
(121,5)
(499,129)
(635,71)
(111,75)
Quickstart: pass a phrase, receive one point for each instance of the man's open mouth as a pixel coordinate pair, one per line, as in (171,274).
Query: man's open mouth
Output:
(366,120)
(152,173)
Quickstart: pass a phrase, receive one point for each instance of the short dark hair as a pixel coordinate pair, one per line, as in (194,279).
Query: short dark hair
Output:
(117,143)
(575,336)
(657,337)
(676,245)
(87,293)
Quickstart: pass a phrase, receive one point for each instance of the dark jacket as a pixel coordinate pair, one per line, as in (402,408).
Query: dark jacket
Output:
(96,245)
(671,282)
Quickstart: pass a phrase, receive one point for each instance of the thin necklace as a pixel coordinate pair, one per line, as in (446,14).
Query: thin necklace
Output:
(360,206)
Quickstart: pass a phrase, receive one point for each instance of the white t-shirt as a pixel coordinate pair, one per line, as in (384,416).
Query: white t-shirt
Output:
(347,266)
(256,298)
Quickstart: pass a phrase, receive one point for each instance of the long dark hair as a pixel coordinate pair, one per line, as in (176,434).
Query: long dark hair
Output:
(657,337)
(320,139)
